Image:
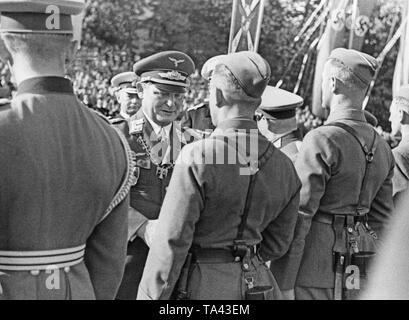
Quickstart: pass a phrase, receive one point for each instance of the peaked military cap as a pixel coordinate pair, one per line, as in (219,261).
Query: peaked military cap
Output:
(403,93)
(362,65)
(125,81)
(35,16)
(250,69)
(279,104)
(169,70)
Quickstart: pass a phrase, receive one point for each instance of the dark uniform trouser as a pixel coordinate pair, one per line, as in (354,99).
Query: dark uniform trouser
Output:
(305,293)
(135,263)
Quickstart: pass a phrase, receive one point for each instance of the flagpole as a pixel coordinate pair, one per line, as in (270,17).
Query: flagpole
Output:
(353,24)
(310,20)
(233,25)
(259,22)
(391,43)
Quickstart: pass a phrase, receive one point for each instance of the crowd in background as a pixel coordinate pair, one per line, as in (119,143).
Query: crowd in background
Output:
(102,57)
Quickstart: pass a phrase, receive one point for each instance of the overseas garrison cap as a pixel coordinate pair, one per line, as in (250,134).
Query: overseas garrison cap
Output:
(403,93)
(169,70)
(39,16)
(250,69)
(362,65)
(125,81)
(209,66)
(279,104)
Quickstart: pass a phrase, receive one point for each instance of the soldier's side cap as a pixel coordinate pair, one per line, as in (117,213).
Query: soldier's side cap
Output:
(371,119)
(168,70)
(209,66)
(277,103)
(125,81)
(403,93)
(251,71)
(362,65)
(36,16)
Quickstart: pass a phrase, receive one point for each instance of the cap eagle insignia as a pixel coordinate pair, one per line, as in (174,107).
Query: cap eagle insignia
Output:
(176,62)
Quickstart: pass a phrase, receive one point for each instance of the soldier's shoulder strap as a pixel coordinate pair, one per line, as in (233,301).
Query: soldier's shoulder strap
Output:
(369,151)
(116,120)
(369,156)
(129,179)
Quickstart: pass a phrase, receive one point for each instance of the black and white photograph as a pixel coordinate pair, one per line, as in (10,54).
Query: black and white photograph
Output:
(217,151)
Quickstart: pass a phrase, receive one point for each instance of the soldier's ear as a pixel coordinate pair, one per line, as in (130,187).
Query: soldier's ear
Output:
(335,85)
(403,117)
(220,100)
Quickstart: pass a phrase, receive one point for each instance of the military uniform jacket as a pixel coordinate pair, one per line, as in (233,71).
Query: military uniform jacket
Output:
(331,167)
(203,208)
(147,194)
(198,117)
(289,144)
(61,166)
(401,177)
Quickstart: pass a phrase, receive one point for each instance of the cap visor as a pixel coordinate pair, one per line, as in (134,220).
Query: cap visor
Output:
(276,100)
(170,88)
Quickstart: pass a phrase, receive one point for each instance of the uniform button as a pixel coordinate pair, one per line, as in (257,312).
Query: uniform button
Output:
(350,230)
(35,272)
(245,266)
(237,259)
(67,269)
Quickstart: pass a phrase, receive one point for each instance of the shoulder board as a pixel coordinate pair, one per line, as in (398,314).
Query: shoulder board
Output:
(136,125)
(197,107)
(101,116)
(116,120)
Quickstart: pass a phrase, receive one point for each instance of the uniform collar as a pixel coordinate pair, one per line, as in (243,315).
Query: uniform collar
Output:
(124,115)
(157,128)
(237,123)
(45,85)
(336,115)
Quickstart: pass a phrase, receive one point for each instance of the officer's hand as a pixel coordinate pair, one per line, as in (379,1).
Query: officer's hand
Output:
(288,294)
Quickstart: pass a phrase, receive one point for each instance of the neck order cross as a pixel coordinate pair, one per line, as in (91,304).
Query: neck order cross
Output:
(161,170)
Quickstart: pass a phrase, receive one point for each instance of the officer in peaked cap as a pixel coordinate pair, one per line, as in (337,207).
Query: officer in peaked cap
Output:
(156,138)
(346,170)
(277,120)
(203,209)
(399,119)
(127,96)
(62,214)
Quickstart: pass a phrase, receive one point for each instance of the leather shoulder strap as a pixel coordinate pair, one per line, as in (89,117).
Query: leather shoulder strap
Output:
(262,161)
(369,156)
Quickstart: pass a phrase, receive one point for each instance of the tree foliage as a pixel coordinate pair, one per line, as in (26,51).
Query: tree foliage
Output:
(201,29)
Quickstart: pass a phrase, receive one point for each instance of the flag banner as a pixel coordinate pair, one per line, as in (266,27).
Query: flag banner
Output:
(247,16)
(401,76)
(346,19)
(77,25)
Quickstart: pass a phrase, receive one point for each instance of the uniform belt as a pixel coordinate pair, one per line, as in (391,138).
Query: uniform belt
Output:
(208,255)
(328,218)
(41,260)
